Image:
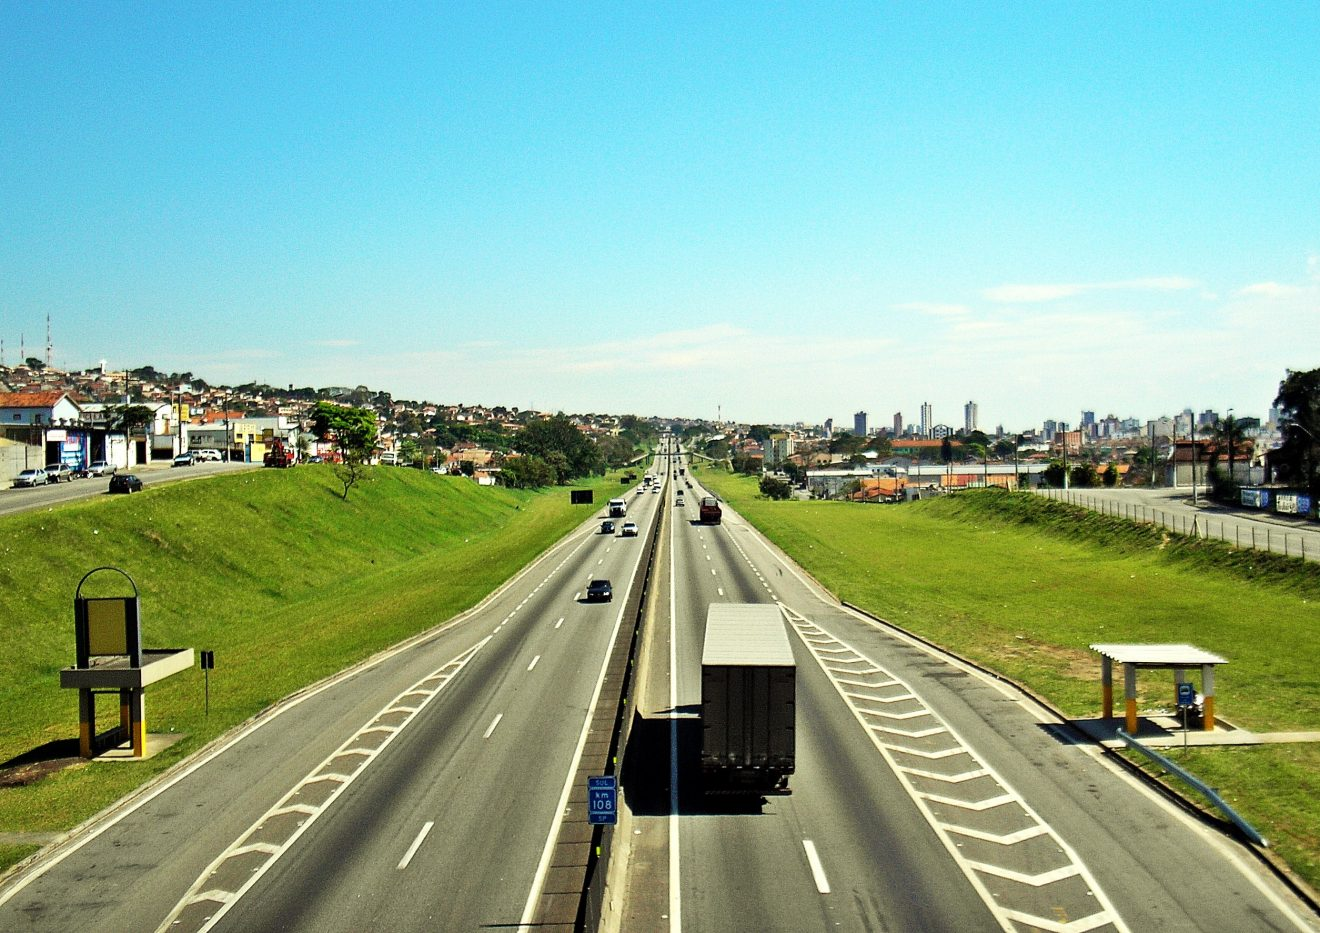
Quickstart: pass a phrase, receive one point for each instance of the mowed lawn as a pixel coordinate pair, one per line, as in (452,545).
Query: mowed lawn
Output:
(1024,585)
(286,582)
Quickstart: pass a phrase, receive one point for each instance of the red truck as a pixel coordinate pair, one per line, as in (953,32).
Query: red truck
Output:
(710,511)
(279,455)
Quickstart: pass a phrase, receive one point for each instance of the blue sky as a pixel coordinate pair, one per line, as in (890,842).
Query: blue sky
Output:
(781,212)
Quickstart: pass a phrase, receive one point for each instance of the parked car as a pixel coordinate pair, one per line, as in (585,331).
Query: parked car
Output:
(629,530)
(599,591)
(205,454)
(125,482)
(101,468)
(55,472)
(607,527)
(34,477)
(185,459)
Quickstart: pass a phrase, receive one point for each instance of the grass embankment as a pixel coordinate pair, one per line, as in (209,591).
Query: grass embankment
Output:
(1023,585)
(284,580)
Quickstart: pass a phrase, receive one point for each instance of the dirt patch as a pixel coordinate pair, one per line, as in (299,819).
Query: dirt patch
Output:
(40,762)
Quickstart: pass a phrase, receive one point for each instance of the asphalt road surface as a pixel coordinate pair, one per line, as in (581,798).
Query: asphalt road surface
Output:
(417,792)
(39,497)
(927,796)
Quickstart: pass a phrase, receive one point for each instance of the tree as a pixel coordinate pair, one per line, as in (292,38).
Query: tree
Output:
(1054,474)
(1298,459)
(128,419)
(525,472)
(541,438)
(796,474)
(1082,475)
(353,431)
(774,488)
(1110,476)
(34,364)
(1228,432)
(1003,448)
(760,432)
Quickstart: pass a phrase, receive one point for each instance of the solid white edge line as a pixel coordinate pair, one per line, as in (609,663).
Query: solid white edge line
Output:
(543,867)
(675,891)
(533,664)
(417,844)
(817,869)
(560,622)
(495,722)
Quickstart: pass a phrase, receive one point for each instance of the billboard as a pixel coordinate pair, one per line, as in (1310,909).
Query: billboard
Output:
(1256,498)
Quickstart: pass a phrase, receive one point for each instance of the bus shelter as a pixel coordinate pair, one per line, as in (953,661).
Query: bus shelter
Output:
(1176,658)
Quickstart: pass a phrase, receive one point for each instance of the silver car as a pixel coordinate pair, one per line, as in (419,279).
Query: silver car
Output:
(31,478)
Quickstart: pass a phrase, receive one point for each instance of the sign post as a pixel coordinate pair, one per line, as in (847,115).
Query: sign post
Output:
(208,662)
(602,800)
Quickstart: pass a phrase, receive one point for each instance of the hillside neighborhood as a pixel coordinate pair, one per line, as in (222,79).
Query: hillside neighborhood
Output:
(139,417)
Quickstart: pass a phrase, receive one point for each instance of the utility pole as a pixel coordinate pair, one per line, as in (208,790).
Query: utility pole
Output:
(1195,459)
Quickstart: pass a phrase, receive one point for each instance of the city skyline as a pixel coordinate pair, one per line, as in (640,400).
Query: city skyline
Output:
(777,216)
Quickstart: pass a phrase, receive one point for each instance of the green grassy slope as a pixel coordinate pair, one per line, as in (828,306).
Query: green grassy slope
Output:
(284,580)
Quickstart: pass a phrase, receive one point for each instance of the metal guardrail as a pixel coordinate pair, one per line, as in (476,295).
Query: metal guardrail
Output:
(1197,784)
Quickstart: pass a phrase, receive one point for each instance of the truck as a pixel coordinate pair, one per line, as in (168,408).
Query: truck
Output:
(710,511)
(748,706)
(618,508)
(279,455)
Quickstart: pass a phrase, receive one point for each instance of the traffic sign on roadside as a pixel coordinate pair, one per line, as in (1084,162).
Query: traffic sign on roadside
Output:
(602,800)
(1186,694)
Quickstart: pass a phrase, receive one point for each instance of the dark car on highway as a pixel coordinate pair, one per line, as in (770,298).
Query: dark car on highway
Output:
(599,591)
(125,482)
(607,527)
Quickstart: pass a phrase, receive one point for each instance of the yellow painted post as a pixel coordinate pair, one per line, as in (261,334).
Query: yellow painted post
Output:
(1130,696)
(1107,685)
(139,713)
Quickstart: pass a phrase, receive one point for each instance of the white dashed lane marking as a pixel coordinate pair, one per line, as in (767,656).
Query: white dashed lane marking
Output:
(417,844)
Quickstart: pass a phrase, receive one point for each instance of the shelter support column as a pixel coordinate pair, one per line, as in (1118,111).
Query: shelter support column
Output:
(1130,696)
(138,727)
(1107,685)
(1208,694)
(86,722)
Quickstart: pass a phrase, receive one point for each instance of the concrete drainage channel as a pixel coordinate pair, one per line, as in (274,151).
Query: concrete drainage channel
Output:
(574,891)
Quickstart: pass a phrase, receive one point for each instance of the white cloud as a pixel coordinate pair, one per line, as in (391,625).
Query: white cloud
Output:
(1032,293)
(1269,290)
(934,309)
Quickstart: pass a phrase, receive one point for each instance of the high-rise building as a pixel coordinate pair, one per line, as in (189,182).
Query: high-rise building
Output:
(969,417)
(859,424)
(927,419)
(1051,427)
(829,428)
(898,424)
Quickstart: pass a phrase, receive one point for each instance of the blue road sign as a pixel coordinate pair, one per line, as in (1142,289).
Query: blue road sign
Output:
(1186,694)
(602,800)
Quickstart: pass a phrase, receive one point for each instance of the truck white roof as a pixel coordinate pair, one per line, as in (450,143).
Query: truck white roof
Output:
(746,634)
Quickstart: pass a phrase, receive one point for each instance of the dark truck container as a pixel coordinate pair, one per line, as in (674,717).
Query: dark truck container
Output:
(710,511)
(748,710)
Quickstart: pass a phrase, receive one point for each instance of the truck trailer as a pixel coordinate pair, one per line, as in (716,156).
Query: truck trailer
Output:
(710,511)
(748,682)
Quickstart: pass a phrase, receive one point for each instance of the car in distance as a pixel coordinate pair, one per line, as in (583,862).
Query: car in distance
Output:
(599,591)
(33,477)
(101,468)
(185,459)
(629,530)
(125,482)
(607,527)
(55,472)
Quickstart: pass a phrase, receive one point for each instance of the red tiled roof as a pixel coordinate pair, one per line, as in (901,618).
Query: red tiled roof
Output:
(32,399)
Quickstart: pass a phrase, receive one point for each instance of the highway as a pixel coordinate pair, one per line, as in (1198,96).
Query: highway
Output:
(927,795)
(422,790)
(418,792)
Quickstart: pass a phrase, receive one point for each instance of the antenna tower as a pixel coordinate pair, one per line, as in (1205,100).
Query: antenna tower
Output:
(49,348)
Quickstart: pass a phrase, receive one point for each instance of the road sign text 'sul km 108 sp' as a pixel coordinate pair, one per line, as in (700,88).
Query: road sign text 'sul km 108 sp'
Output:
(602,798)
(1186,694)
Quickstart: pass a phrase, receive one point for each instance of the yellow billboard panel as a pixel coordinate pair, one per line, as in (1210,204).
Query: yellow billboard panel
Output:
(107,626)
